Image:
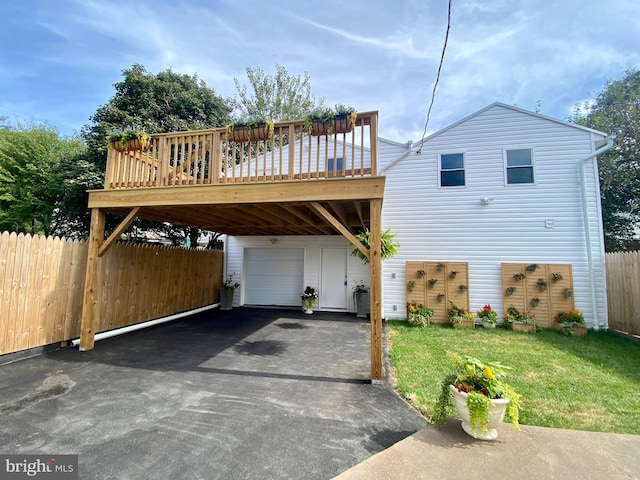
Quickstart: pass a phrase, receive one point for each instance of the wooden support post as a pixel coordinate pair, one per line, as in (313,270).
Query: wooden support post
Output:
(376,290)
(90,310)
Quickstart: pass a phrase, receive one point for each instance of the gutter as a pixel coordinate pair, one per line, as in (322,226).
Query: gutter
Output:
(582,163)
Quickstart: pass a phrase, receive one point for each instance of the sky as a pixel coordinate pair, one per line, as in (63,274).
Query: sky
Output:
(59,59)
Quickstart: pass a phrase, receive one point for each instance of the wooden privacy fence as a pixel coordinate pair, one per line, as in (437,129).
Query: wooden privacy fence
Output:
(42,282)
(623,291)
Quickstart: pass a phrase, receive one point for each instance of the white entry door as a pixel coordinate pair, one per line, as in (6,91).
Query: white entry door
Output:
(333,288)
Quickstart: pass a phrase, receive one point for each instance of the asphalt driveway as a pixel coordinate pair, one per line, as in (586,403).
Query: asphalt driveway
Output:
(246,394)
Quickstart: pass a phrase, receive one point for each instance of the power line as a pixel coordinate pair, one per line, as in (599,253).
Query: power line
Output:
(435,85)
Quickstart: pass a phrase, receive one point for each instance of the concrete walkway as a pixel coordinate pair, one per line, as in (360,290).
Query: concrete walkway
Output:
(246,394)
(531,453)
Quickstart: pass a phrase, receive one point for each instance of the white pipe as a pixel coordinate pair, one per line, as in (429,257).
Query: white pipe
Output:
(150,323)
(587,229)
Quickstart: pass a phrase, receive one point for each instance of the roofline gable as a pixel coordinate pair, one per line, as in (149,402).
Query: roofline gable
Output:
(515,109)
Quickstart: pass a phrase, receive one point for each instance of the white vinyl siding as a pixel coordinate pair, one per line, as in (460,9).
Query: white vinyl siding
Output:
(541,223)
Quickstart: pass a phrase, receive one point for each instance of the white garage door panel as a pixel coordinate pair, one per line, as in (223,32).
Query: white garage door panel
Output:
(274,276)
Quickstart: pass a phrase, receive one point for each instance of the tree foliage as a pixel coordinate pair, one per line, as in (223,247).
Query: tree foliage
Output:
(616,110)
(159,103)
(34,163)
(279,98)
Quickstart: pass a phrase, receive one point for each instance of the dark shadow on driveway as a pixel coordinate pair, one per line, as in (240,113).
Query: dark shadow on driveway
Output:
(251,393)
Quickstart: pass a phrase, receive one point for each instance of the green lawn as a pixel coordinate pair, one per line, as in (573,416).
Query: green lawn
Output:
(581,383)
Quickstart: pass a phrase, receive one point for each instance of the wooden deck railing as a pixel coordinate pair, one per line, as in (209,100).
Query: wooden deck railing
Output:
(210,157)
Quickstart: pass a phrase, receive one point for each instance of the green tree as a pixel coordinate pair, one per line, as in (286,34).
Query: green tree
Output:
(279,98)
(616,110)
(159,103)
(32,178)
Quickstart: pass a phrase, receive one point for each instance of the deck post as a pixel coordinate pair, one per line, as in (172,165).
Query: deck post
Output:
(376,290)
(90,310)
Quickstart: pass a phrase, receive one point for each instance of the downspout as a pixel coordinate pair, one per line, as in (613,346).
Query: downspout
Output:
(587,229)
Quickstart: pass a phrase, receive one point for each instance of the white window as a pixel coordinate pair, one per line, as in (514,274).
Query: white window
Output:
(451,170)
(519,166)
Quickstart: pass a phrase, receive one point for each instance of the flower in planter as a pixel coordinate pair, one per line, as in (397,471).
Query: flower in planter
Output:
(129,140)
(511,291)
(308,298)
(420,273)
(487,314)
(463,288)
(542,284)
(432,282)
(441,267)
(532,268)
(418,315)
(556,277)
(360,288)
(570,319)
(441,297)
(519,277)
(568,292)
(482,382)
(535,301)
(458,315)
(453,274)
(411,285)
(229,282)
(514,315)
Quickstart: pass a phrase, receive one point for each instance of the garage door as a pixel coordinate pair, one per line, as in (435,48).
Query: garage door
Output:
(273,276)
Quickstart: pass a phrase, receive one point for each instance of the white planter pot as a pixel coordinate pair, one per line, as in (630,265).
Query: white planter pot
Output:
(488,324)
(498,409)
(308,311)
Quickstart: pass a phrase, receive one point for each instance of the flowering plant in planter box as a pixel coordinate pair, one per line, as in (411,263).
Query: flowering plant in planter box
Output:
(458,315)
(482,382)
(418,315)
(487,314)
(570,319)
(229,282)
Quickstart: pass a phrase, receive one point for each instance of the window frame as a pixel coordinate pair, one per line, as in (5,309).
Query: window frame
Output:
(507,167)
(463,169)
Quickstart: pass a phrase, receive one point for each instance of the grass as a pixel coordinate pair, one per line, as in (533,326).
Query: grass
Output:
(582,383)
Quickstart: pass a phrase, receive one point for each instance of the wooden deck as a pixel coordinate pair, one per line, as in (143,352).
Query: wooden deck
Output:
(291,184)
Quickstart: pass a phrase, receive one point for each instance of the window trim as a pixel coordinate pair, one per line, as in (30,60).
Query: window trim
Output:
(506,166)
(464,169)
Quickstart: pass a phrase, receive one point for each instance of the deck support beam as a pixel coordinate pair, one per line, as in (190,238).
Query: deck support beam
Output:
(90,310)
(375,260)
(118,231)
(324,213)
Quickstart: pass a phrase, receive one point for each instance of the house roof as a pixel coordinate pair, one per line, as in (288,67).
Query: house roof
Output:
(515,109)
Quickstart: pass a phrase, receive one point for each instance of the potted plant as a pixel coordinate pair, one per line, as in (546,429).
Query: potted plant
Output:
(227,290)
(532,268)
(432,282)
(520,321)
(463,288)
(129,141)
(420,273)
(453,274)
(482,397)
(488,316)
(460,318)
(361,299)
(250,130)
(308,299)
(327,120)
(568,292)
(441,297)
(556,277)
(418,315)
(535,301)
(441,267)
(542,283)
(518,277)
(411,285)
(388,247)
(511,291)
(571,323)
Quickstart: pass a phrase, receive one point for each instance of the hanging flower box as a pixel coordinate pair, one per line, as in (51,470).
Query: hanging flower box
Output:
(250,131)
(328,121)
(129,141)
